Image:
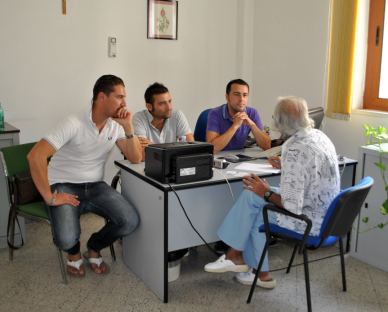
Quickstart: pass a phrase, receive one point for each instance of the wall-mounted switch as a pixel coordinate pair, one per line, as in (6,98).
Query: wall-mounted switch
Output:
(112,47)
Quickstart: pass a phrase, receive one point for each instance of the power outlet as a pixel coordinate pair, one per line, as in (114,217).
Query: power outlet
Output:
(112,46)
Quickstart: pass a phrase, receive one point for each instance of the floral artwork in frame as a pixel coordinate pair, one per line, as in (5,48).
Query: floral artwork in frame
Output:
(162,19)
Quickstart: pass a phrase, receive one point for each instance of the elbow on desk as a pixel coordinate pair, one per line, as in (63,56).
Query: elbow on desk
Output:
(135,161)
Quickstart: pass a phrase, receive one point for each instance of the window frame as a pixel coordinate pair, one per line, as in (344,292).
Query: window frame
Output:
(374,56)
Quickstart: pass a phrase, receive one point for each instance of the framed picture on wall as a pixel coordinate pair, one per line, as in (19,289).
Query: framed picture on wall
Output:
(162,19)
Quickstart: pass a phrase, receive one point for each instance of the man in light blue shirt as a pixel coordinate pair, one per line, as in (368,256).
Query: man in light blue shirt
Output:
(159,123)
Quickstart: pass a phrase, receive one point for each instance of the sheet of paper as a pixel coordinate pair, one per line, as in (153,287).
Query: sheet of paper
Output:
(269,152)
(260,168)
(237,174)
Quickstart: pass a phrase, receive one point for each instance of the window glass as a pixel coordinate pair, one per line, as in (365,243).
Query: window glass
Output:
(383,86)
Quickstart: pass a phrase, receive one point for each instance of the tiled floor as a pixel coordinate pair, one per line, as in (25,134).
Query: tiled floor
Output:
(32,282)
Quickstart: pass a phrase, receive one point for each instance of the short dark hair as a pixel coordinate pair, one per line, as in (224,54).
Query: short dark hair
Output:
(154,89)
(106,84)
(236,81)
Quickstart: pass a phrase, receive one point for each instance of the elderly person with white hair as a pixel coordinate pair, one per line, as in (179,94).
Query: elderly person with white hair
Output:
(309,181)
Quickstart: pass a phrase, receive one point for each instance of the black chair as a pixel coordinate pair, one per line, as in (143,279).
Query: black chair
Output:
(337,223)
(317,114)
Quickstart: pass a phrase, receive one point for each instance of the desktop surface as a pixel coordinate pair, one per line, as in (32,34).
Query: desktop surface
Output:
(233,173)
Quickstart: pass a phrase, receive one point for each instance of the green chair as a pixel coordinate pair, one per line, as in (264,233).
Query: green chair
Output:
(14,160)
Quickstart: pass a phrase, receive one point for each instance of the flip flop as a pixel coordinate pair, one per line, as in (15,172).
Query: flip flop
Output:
(98,262)
(73,268)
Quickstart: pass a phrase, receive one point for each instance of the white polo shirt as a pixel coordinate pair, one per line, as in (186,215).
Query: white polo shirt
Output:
(81,151)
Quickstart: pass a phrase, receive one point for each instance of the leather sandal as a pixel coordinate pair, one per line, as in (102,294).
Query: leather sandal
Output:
(75,268)
(96,264)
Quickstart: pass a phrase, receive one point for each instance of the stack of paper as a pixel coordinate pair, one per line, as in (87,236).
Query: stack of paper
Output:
(260,168)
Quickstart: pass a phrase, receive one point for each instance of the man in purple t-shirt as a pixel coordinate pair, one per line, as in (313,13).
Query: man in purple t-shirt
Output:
(229,125)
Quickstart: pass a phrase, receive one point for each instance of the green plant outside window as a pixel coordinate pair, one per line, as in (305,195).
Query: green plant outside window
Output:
(378,137)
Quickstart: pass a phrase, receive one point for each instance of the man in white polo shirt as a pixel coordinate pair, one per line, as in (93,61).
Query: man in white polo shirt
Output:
(159,123)
(72,183)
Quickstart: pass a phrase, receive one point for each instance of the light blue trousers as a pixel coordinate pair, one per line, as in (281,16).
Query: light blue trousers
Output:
(240,228)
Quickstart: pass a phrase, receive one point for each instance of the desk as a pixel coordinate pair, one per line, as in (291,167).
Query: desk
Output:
(163,226)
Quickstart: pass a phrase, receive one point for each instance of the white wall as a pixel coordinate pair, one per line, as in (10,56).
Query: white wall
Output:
(348,136)
(290,48)
(49,62)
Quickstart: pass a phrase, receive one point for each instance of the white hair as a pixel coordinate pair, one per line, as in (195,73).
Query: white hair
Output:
(291,115)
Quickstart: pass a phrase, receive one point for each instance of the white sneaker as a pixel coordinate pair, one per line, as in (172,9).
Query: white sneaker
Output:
(248,277)
(223,265)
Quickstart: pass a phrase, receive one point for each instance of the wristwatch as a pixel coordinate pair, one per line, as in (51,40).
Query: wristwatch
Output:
(267,195)
(129,135)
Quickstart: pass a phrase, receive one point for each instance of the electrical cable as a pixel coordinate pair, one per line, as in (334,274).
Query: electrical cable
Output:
(191,224)
(227,181)
(342,170)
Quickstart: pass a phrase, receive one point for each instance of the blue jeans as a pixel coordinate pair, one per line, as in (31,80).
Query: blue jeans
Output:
(96,197)
(240,228)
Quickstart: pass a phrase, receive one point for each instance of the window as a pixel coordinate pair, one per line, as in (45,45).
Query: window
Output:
(376,78)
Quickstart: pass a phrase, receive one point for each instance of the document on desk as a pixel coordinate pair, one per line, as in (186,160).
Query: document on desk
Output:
(274,151)
(260,168)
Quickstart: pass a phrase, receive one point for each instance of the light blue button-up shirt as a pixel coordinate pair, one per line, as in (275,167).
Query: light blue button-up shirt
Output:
(174,127)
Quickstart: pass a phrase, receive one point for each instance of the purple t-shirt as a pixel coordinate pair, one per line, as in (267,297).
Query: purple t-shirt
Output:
(219,121)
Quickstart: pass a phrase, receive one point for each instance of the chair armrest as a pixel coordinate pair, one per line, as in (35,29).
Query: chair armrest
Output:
(288,213)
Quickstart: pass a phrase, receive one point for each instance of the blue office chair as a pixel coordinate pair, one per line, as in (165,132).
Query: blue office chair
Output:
(337,223)
(200,126)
